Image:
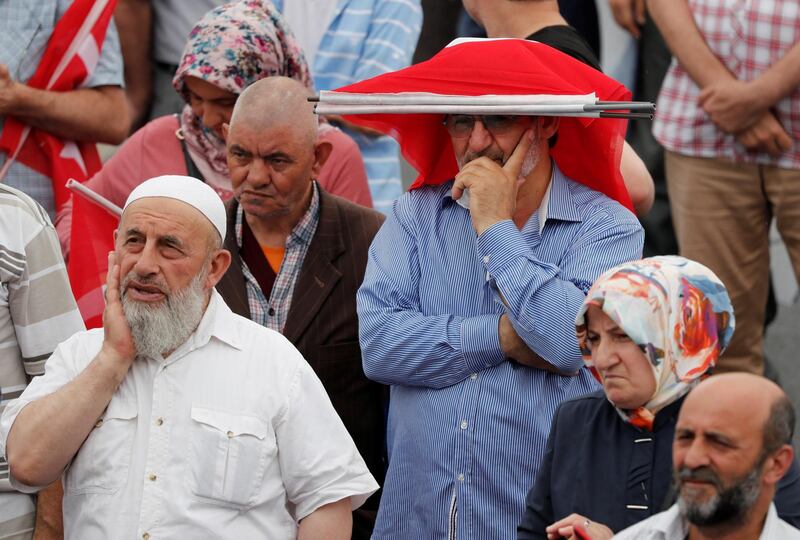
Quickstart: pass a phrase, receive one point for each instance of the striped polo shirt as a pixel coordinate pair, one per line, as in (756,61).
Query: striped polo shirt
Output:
(37,312)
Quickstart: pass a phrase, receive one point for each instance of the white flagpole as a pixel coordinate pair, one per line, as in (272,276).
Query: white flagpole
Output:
(88,194)
(534,110)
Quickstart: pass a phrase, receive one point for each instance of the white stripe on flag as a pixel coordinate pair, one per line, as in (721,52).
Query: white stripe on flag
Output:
(71,151)
(83,33)
(89,53)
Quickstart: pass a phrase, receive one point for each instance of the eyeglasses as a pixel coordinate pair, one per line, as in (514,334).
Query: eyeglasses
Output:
(461,125)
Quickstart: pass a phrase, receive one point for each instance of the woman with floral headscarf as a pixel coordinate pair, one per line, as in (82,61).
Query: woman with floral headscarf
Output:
(649,330)
(231,47)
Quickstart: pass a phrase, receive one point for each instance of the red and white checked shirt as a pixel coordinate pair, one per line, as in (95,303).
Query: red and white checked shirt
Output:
(748,36)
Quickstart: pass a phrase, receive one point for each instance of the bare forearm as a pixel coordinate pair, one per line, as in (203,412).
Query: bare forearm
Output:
(333,521)
(49,517)
(676,23)
(782,78)
(48,432)
(637,180)
(86,114)
(134,20)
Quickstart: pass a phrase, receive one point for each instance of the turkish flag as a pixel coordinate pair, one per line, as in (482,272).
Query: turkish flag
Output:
(91,239)
(588,150)
(70,58)
(71,55)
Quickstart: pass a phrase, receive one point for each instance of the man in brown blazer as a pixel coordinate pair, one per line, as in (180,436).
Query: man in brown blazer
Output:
(299,256)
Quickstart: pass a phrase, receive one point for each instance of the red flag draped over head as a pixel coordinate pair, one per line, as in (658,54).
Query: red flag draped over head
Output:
(69,59)
(588,150)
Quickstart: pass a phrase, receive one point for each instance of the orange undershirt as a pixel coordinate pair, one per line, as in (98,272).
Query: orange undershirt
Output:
(274,256)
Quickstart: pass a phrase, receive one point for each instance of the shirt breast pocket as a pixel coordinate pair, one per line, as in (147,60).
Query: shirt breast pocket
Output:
(228,456)
(103,461)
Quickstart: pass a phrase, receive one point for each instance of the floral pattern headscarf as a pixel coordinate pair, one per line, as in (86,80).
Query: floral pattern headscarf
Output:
(676,310)
(233,46)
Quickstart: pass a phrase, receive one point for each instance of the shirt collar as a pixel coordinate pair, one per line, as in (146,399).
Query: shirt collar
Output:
(302,233)
(557,202)
(218,321)
(672,524)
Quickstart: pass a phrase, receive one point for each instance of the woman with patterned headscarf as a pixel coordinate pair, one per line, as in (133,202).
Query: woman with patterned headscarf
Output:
(649,331)
(231,47)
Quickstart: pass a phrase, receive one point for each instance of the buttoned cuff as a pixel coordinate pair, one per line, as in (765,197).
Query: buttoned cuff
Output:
(480,342)
(500,244)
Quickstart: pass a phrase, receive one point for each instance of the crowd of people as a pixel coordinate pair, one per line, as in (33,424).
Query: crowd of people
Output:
(292,347)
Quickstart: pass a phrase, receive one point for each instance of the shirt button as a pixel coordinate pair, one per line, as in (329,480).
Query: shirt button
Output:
(460,477)
(98,423)
(146,536)
(473,376)
(486,259)
(464,424)
(159,421)
(271,312)
(152,477)
(230,434)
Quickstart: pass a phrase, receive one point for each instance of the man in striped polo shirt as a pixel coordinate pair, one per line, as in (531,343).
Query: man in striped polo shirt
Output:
(37,312)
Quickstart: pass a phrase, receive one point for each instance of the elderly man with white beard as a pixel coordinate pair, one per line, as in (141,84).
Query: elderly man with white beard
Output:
(180,419)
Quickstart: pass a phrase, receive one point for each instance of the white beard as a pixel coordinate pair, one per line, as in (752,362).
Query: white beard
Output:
(161,329)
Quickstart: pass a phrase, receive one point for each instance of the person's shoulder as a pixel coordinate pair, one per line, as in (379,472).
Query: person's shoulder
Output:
(593,205)
(425,198)
(664,525)
(352,211)
(13,200)
(582,407)
(569,41)
(161,126)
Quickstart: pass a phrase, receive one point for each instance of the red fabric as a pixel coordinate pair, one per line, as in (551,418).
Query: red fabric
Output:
(92,238)
(41,151)
(588,149)
(61,160)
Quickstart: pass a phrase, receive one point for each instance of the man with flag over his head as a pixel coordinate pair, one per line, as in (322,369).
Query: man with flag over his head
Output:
(473,283)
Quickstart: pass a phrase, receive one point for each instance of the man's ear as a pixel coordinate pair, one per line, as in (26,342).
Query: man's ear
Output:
(322,151)
(219,263)
(225,130)
(548,126)
(777,464)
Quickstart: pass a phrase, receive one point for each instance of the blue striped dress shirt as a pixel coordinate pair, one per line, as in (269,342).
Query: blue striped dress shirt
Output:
(468,428)
(367,38)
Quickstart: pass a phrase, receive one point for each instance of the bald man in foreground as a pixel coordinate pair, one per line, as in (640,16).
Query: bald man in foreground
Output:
(733,443)
(180,419)
(299,255)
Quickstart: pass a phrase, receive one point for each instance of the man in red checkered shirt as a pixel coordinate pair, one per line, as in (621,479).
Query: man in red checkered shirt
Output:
(729,117)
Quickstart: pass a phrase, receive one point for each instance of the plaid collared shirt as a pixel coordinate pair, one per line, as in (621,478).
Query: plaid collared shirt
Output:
(748,36)
(272,313)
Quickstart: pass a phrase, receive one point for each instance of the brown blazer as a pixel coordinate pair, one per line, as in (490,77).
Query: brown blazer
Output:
(322,321)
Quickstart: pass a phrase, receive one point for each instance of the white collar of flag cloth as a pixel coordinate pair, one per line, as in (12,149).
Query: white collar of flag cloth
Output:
(506,76)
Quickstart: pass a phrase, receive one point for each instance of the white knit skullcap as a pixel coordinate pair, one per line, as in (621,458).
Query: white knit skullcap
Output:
(190,190)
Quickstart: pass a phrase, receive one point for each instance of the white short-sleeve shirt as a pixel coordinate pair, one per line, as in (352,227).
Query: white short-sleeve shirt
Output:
(231,436)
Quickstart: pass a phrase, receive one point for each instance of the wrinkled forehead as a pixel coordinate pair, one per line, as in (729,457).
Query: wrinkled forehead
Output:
(164,215)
